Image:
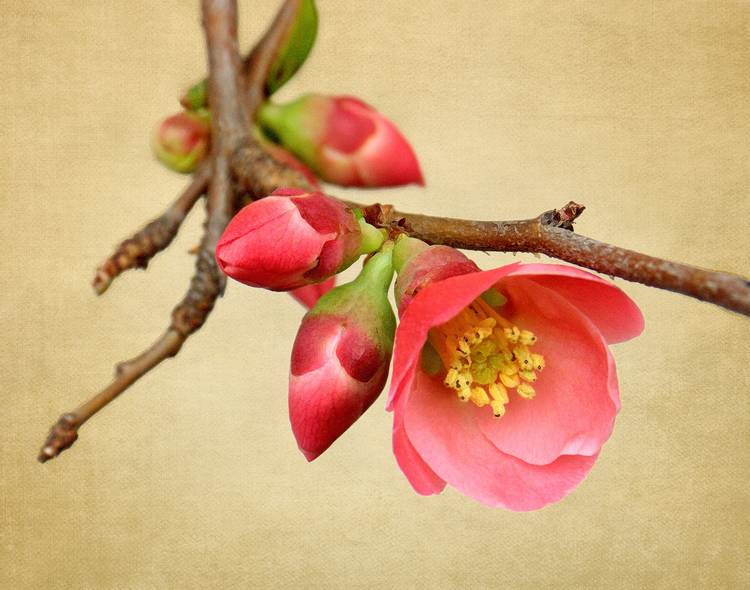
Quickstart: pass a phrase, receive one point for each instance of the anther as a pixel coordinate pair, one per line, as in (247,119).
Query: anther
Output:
(529,376)
(523,356)
(526,391)
(512,334)
(498,408)
(498,392)
(538,361)
(479,396)
(527,337)
(451,378)
(510,381)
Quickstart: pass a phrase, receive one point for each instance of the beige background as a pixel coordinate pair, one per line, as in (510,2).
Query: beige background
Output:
(640,110)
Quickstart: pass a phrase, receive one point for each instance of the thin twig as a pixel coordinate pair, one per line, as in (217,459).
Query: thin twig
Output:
(229,131)
(551,234)
(138,250)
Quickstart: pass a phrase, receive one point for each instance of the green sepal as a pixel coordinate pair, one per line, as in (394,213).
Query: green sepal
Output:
(295,125)
(364,301)
(406,248)
(196,96)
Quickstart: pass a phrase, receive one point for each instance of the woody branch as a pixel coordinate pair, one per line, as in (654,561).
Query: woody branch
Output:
(240,170)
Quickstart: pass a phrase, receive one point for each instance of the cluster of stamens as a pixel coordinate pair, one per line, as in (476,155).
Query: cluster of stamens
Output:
(485,356)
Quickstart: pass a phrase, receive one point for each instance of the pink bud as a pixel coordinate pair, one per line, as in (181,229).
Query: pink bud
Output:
(309,294)
(418,265)
(344,140)
(181,141)
(291,239)
(341,357)
(336,374)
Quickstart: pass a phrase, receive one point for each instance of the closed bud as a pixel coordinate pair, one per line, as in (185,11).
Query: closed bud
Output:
(181,141)
(344,140)
(291,239)
(418,265)
(341,357)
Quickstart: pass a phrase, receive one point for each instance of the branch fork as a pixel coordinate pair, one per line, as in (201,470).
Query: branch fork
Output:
(240,170)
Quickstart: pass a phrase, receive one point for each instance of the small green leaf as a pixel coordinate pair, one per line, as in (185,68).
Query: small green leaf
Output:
(294,51)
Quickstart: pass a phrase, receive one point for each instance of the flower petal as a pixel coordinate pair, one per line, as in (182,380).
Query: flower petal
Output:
(444,433)
(572,412)
(323,404)
(309,294)
(420,476)
(615,314)
(255,258)
(435,304)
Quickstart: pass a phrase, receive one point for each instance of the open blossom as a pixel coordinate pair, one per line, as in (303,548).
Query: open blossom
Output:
(503,383)
(341,356)
(344,140)
(291,239)
(181,141)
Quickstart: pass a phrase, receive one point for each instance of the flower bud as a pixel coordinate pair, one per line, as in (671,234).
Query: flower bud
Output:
(181,141)
(196,97)
(291,239)
(341,356)
(309,294)
(418,265)
(344,140)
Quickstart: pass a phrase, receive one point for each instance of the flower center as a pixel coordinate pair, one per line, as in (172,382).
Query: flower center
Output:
(484,355)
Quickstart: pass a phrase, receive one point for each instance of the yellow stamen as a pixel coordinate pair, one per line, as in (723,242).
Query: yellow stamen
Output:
(510,381)
(527,338)
(479,396)
(526,391)
(485,355)
(529,376)
(498,409)
(498,392)
(512,334)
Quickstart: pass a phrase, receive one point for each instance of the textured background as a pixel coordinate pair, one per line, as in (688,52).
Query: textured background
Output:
(640,110)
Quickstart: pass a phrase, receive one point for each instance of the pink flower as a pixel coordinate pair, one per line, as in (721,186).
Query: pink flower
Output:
(503,385)
(291,239)
(181,141)
(341,356)
(344,140)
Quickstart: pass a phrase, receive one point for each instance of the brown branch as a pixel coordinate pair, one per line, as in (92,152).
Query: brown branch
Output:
(229,131)
(551,234)
(137,251)
(258,173)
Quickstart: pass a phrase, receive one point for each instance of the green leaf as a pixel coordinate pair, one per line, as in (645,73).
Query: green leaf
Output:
(295,49)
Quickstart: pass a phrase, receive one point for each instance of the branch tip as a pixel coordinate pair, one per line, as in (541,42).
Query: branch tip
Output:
(61,436)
